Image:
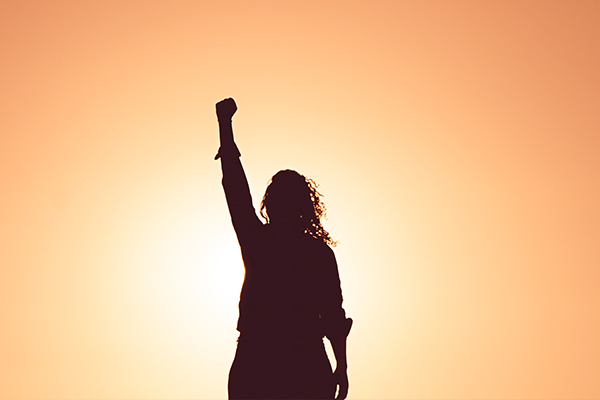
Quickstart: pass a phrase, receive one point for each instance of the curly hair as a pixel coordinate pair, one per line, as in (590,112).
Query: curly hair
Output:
(301,194)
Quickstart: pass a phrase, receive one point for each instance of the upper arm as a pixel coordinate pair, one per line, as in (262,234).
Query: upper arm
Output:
(239,201)
(331,310)
(332,289)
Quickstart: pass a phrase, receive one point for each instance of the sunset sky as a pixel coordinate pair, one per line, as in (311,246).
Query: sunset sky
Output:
(457,144)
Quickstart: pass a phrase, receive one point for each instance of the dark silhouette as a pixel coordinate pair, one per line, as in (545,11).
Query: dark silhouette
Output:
(291,297)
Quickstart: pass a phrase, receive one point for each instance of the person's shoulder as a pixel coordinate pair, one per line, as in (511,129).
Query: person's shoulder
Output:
(319,245)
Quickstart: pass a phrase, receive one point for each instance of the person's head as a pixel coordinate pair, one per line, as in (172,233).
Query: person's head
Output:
(292,200)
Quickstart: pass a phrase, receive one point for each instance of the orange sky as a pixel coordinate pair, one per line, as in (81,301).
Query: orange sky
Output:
(456,144)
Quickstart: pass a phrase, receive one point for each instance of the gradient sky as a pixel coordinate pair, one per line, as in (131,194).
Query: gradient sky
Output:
(457,145)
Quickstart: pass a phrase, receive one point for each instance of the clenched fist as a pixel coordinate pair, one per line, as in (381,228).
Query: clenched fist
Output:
(225,109)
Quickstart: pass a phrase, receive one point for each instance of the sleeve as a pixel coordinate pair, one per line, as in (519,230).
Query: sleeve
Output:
(333,315)
(237,193)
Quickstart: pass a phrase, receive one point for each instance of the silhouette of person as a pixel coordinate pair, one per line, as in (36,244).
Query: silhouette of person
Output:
(291,296)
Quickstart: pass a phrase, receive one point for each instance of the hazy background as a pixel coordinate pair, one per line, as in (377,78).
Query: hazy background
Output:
(456,143)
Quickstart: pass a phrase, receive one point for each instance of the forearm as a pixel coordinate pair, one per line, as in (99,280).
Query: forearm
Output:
(338,344)
(228,148)
(226,132)
(235,182)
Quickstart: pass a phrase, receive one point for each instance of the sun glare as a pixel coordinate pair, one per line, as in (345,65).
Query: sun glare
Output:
(226,274)
(201,272)
(187,278)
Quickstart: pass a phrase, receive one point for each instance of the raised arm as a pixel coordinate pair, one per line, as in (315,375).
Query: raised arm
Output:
(235,184)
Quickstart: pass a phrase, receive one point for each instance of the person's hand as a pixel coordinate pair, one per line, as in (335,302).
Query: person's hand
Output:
(341,379)
(225,109)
